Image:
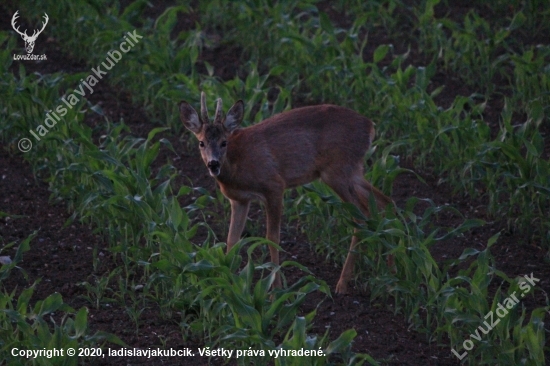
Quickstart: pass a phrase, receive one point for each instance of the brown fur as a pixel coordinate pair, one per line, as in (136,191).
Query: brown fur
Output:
(285,151)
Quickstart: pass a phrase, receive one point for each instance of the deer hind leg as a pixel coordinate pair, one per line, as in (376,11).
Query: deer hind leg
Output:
(239,212)
(274,210)
(355,190)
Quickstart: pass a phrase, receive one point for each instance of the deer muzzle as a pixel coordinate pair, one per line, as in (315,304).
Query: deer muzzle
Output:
(214,167)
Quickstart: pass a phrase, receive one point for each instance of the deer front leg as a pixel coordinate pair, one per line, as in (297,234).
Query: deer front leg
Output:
(239,212)
(274,211)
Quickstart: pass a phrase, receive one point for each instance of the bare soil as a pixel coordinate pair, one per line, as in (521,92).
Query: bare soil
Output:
(61,257)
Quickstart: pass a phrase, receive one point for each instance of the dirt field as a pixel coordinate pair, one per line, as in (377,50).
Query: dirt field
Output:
(61,257)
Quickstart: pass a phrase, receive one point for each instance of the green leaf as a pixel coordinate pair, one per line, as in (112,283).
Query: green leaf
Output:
(467,253)
(518,21)
(184,190)
(49,305)
(342,343)
(492,240)
(277,70)
(5,214)
(22,248)
(104,156)
(163,265)
(101,336)
(167,20)
(380,53)
(156,131)
(326,24)
(81,322)
(23,300)
(202,265)
(536,112)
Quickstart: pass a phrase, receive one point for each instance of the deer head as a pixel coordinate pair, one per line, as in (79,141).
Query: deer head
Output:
(212,136)
(29,40)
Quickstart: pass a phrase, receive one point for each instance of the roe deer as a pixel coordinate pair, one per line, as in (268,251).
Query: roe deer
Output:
(287,150)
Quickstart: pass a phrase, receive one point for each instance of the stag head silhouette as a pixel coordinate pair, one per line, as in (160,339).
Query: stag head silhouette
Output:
(29,40)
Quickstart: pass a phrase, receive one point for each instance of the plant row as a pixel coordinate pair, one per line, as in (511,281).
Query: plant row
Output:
(297,49)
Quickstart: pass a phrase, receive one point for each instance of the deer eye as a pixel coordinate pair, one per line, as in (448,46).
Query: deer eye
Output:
(223,144)
(201,144)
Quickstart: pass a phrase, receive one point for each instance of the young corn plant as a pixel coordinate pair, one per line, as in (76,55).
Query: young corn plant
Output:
(254,315)
(490,331)
(27,327)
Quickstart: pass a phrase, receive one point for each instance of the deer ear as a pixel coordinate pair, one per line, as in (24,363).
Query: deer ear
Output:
(234,116)
(190,118)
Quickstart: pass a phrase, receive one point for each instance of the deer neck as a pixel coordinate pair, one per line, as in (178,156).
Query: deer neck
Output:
(225,176)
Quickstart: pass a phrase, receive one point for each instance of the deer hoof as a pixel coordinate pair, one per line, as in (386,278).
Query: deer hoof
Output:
(342,287)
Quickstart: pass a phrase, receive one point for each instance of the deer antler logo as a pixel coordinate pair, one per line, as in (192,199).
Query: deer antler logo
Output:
(29,40)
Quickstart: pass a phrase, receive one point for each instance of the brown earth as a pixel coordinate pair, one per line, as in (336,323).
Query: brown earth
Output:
(61,258)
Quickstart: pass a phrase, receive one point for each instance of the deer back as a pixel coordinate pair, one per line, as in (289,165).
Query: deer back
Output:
(294,147)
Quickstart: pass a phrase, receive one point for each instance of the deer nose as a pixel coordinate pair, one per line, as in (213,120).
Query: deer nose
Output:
(213,164)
